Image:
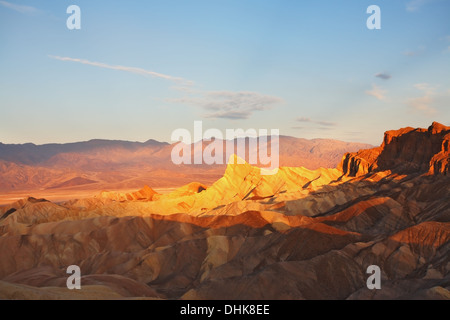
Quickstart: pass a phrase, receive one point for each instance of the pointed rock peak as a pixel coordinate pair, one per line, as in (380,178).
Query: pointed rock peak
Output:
(235,159)
(437,127)
(144,193)
(148,190)
(34,200)
(191,188)
(238,169)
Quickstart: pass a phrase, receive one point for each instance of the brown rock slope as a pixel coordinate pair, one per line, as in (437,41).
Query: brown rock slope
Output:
(406,150)
(299,234)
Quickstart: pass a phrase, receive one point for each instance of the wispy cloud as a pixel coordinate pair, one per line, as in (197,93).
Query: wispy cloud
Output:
(383,75)
(425,87)
(409,53)
(322,123)
(326,123)
(377,92)
(415,5)
(413,53)
(423,104)
(229,104)
(219,104)
(20,8)
(134,70)
(229,114)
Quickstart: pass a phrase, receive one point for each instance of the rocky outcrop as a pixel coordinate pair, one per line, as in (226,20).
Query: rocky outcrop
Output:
(145,193)
(407,150)
(360,163)
(440,162)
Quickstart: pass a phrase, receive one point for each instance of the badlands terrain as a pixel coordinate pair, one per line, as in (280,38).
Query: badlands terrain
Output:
(299,234)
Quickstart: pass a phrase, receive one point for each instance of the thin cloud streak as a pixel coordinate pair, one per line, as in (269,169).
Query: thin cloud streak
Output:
(415,5)
(326,123)
(322,123)
(134,70)
(414,53)
(231,115)
(410,53)
(20,8)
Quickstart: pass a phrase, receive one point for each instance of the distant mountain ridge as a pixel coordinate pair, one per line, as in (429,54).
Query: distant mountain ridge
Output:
(30,153)
(117,164)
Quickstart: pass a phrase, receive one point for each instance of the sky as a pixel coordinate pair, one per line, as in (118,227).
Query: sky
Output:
(138,70)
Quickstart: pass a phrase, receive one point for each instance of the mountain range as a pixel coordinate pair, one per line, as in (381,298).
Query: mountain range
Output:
(117,165)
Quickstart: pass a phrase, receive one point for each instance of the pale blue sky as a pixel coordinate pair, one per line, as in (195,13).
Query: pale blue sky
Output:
(307,68)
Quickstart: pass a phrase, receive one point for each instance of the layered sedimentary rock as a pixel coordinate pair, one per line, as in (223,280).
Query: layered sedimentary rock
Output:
(298,234)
